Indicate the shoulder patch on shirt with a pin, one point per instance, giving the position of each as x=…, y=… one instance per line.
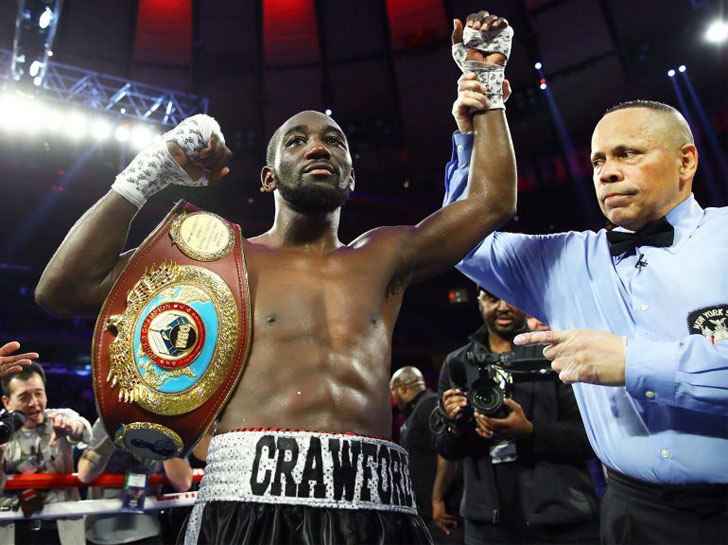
x=710, y=322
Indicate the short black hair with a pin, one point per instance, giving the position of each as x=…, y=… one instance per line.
x=640, y=103
x=270, y=151
x=27, y=372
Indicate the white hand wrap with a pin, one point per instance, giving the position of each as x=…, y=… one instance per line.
x=491, y=75
x=155, y=168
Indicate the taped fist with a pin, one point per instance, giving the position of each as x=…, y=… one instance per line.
x=483, y=48
x=191, y=154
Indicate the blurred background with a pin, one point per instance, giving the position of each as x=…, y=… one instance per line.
x=85, y=84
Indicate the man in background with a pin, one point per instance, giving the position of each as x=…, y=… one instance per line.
x=525, y=473
x=43, y=445
x=416, y=402
x=124, y=528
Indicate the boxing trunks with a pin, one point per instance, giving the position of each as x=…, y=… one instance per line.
x=173, y=335
x=276, y=486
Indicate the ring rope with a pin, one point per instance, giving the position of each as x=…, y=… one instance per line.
x=70, y=480
x=77, y=509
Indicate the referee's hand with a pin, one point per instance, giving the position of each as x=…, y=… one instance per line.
x=582, y=355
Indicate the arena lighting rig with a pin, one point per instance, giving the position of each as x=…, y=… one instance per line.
x=35, y=29
x=86, y=105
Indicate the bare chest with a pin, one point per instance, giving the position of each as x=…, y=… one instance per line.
x=294, y=294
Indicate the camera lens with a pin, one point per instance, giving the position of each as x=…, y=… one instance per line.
x=486, y=397
x=10, y=421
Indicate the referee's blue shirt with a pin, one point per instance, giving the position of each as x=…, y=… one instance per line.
x=669, y=423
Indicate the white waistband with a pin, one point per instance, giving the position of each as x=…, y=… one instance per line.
x=308, y=468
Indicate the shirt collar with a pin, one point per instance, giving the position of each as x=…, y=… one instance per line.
x=684, y=218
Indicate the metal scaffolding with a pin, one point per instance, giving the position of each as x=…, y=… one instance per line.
x=127, y=99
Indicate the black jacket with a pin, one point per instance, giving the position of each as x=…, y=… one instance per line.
x=553, y=483
x=415, y=436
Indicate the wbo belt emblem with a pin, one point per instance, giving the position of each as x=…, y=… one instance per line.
x=175, y=340
x=710, y=322
x=172, y=335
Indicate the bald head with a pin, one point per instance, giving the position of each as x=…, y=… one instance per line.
x=270, y=152
x=665, y=122
x=407, y=376
x=405, y=385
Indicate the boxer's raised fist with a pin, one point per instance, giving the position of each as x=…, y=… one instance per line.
x=212, y=159
x=482, y=48
x=192, y=154
x=483, y=22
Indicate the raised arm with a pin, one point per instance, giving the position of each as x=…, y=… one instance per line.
x=445, y=237
x=88, y=261
x=84, y=268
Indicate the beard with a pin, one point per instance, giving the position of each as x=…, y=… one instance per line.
x=312, y=198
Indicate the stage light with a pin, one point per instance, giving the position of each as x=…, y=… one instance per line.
x=671, y=73
x=141, y=137
x=11, y=111
x=100, y=129
x=328, y=112
x=122, y=111
x=717, y=32
x=76, y=125
x=54, y=120
x=122, y=133
x=543, y=86
x=35, y=67
x=34, y=114
x=537, y=66
x=458, y=295
x=50, y=53
x=45, y=18
x=681, y=68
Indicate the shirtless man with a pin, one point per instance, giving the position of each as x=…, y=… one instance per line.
x=323, y=315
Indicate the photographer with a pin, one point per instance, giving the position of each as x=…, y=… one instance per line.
x=44, y=444
x=138, y=528
x=525, y=466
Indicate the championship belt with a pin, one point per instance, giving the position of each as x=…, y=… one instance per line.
x=173, y=335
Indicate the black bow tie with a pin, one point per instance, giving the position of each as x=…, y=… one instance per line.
x=659, y=233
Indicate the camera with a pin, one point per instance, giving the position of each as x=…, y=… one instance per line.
x=10, y=421
x=497, y=373
x=493, y=385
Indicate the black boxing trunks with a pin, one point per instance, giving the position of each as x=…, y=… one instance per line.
x=277, y=486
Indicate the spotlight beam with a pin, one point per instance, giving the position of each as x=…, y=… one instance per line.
x=39, y=213
x=712, y=184
x=713, y=144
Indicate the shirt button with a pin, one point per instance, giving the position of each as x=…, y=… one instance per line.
x=644, y=308
x=460, y=147
x=650, y=394
x=665, y=453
